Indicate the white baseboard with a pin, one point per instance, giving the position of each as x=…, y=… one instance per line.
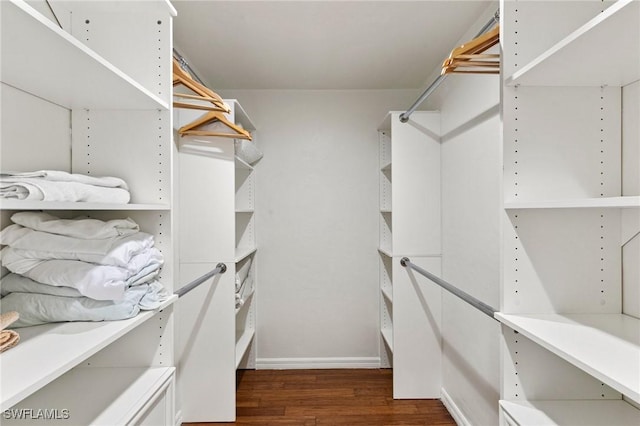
x=454, y=410
x=315, y=363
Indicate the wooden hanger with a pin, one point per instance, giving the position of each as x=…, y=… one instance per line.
x=188, y=105
x=202, y=92
x=470, y=57
x=209, y=117
x=215, y=112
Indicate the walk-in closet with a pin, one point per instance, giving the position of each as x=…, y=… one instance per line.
x=320, y=212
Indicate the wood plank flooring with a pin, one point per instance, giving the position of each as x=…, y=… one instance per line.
x=328, y=397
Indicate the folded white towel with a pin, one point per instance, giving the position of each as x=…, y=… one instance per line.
x=62, y=176
x=100, y=282
x=117, y=251
x=42, y=190
x=81, y=227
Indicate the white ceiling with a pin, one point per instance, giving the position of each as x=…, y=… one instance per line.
x=320, y=44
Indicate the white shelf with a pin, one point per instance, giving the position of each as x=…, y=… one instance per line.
x=385, y=126
x=243, y=252
x=387, y=336
x=386, y=167
x=241, y=164
x=241, y=116
x=242, y=345
x=386, y=292
x=570, y=413
x=386, y=251
x=386, y=210
x=604, y=51
x=118, y=395
x=62, y=205
x=101, y=7
x=45, y=352
x=606, y=346
x=245, y=211
x=36, y=52
x=607, y=202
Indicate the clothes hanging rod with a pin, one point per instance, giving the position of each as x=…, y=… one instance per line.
x=404, y=117
x=185, y=66
x=221, y=268
x=483, y=307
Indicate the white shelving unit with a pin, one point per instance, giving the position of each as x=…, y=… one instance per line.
x=68, y=79
x=246, y=251
x=409, y=225
x=571, y=347
x=385, y=245
x=217, y=225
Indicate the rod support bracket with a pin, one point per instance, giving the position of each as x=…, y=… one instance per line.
x=404, y=261
x=403, y=118
x=223, y=267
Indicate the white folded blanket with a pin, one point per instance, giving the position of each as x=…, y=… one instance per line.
x=35, y=308
x=116, y=251
x=81, y=227
x=15, y=283
x=99, y=282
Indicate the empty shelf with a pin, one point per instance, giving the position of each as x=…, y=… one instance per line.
x=243, y=252
x=387, y=292
x=123, y=394
x=387, y=336
x=241, y=164
x=63, y=205
x=584, y=413
x=242, y=345
x=386, y=251
x=566, y=63
x=605, y=202
x=83, y=78
x=606, y=346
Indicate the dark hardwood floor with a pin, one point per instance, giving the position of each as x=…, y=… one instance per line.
x=328, y=397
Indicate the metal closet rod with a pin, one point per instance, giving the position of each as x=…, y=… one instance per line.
x=404, y=117
x=185, y=66
x=221, y=268
x=483, y=307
